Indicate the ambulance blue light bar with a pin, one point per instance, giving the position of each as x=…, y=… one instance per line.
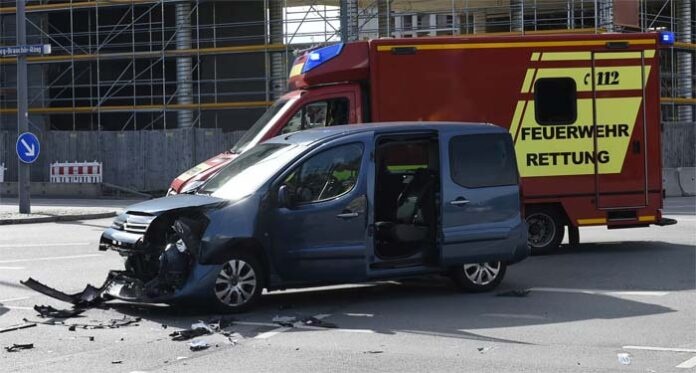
x=318, y=56
x=667, y=37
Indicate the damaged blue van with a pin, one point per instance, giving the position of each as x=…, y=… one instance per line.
x=332, y=205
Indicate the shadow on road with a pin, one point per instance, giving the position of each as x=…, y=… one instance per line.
x=430, y=305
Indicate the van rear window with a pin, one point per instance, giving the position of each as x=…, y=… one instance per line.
x=482, y=160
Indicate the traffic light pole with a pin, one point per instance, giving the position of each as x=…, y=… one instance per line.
x=22, y=113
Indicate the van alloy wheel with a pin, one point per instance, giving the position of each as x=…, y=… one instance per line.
x=478, y=277
x=236, y=283
x=482, y=273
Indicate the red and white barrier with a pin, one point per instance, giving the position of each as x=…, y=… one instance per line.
x=2, y=172
x=76, y=172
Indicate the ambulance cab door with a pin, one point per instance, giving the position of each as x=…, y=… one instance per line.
x=322, y=107
x=618, y=80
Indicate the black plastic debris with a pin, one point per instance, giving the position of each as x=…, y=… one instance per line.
x=514, y=293
x=197, y=330
x=89, y=297
x=18, y=346
x=117, y=362
x=17, y=327
x=313, y=321
x=199, y=345
x=373, y=352
x=48, y=311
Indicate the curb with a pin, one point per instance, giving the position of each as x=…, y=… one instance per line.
x=50, y=219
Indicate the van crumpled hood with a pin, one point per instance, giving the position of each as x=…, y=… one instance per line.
x=160, y=205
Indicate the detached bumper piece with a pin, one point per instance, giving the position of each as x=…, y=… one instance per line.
x=90, y=297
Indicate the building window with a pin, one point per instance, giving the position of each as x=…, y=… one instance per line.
x=555, y=101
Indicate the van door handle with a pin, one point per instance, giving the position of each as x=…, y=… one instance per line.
x=348, y=215
x=461, y=201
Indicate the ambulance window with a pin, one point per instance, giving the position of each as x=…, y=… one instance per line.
x=555, y=101
x=319, y=114
x=478, y=161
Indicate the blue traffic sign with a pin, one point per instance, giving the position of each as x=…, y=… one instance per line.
x=28, y=147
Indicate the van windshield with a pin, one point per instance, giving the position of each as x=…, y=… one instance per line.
x=245, y=174
x=260, y=125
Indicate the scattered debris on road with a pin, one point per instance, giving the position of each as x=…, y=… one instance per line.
x=17, y=327
x=374, y=352
x=292, y=322
x=199, y=345
x=520, y=293
x=50, y=312
x=112, y=324
x=117, y=362
x=18, y=346
x=624, y=358
x=483, y=350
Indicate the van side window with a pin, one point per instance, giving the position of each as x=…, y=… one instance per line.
x=324, y=113
x=326, y=175
x=482, y=160
x=555, y=101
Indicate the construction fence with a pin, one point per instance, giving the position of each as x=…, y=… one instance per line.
x=140, y=160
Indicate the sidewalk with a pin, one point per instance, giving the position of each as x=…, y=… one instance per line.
x=49, y=209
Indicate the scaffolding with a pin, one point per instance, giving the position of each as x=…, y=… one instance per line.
x=144, y=64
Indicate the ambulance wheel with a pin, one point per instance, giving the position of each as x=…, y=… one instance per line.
x=479, y=277
x=546, y=230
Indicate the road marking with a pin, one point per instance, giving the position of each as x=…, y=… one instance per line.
x=18, y=308
x=360, y=314
x=604, y=292
x=650, y=348
x=49, y=258
x=691, y=363
x=55, y=244
x=11, y=268
x=514, y=316
x=272, y=333
x=12, y=299
x=282, y=329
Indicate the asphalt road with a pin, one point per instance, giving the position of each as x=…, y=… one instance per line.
x=623, y=291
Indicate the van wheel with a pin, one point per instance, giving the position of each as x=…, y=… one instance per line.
x=239, y=283
x=479, y=277
x=546, y=230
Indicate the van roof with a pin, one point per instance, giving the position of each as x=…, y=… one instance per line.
x=325, y=133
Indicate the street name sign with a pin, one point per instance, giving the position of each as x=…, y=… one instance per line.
x=26, y=50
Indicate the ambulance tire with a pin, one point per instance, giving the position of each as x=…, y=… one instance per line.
x=546, y=229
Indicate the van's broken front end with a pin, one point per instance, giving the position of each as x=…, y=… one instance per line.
x=160, y=250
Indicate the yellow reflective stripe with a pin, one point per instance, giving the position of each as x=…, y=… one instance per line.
x=587, y=56
x=516, y=118
x=535, y=56
x=592, y=221
x=566, y=56
x=533, y=44
x=646, y=218
x=296, y=69
x=624, y=77
x=527, y=84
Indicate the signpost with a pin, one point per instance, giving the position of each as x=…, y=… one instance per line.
x=27, y=143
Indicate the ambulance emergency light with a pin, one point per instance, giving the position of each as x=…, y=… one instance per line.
x=667, y=37
x=318, y=56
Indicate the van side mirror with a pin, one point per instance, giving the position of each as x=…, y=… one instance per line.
x=284, y=199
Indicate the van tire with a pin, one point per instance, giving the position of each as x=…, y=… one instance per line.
x=546, y=229
x=238, y=284
x=478, y=277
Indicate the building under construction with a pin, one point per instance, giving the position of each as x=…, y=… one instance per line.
x=133, y=65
